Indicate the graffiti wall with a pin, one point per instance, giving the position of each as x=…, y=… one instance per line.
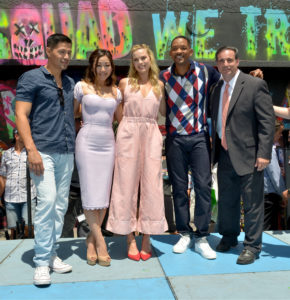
x=260, y=29
x=7, y=104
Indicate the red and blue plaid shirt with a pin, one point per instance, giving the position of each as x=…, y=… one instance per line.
x=187, y=98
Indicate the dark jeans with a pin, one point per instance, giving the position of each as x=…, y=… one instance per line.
x=183, y=152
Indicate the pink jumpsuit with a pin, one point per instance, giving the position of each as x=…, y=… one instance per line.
x=138, y=160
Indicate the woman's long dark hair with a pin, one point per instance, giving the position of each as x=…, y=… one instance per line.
x=90, y=74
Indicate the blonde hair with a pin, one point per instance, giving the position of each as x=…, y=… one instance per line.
x=153, y=71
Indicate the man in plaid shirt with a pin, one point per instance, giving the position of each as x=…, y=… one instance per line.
x=13, y=181
x=187, y=84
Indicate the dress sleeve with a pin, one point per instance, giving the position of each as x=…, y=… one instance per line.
x=119, y=96
x=78, y=92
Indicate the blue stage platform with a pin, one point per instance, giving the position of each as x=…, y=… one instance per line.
x=165, y=276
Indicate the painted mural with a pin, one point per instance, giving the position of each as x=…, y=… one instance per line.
x=261, y=32
x=260, y=29
x=7, y=105
x=25, y=28
x=274, y=30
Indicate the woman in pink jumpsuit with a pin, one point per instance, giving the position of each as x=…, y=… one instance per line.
x=138, y=156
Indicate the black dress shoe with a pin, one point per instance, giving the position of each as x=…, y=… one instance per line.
x=224, y=246
x=247, y=257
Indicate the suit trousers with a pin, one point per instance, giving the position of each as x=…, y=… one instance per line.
x=183, y=152
x=233, y=188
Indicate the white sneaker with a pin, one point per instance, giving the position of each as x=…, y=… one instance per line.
x=58, y=266
x=203, y=248
x=41, y=276
x=183, y=244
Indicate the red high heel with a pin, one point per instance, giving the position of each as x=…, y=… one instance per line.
x=145, y=256
x=135, y=257
x=130, y=240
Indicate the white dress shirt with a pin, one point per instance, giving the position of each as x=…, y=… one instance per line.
x=232, y=84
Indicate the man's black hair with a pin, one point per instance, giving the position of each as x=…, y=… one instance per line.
x=56, y=38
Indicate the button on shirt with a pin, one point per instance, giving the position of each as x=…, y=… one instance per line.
x=13, y=168
x=52, y=125
x=232, y=84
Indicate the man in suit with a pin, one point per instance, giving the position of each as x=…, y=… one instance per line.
x=242, y=134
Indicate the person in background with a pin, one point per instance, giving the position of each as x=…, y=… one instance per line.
x=275, y=193
x=13, y=181
x=45, y=121
x=3, y=219
x=3, y=147
x=282, y=112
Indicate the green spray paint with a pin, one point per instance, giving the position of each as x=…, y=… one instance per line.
x=203, y=34
x=87, y=34
x=277, y=30
x=251, y=32
x=170, y=30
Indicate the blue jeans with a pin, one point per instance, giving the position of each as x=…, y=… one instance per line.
x=183, y=152
x=52, y=200
x=18, y=212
